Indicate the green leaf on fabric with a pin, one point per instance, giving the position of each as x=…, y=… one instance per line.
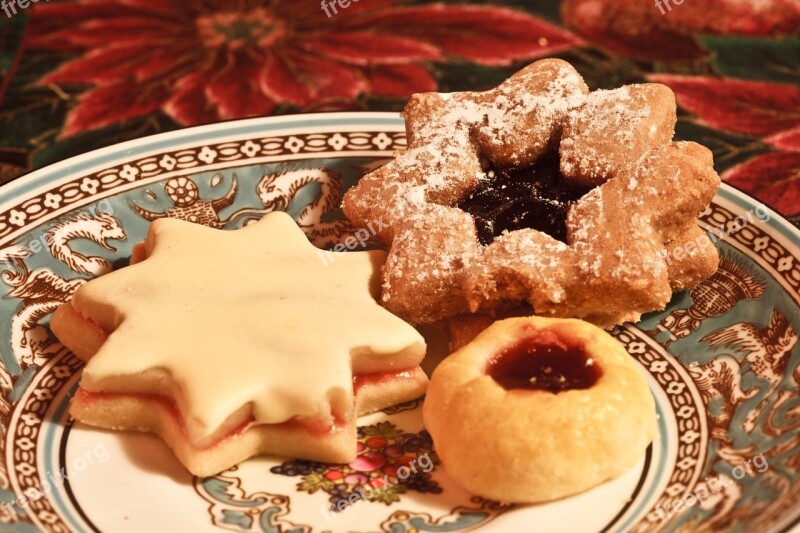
x=54, y=148
x=548, y=9
x=468, y=76
x=31, y=115
x=757, y=59
x=11, y=31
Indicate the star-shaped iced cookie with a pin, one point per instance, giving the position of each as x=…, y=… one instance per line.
x=233, y=343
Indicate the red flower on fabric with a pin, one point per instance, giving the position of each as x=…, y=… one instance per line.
x=201, y=62
x=770, y=111
x=662, y=29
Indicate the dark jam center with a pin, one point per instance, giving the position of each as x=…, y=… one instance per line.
x=544, y=363
x=536, y=197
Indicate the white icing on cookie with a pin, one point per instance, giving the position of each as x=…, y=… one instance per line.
x=247, y=317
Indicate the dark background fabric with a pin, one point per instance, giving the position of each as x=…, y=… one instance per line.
x=80, y=75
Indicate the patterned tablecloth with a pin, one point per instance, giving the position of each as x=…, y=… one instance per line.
x=79, y=75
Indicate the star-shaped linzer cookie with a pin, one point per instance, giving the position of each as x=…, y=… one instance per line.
x=229, y=344
x=540, y=194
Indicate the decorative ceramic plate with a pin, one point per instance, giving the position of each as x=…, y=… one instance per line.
x=722, y=361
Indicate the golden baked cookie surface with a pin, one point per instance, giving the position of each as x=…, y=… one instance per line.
x=531, y=444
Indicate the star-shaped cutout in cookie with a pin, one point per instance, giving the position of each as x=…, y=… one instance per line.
x=235, y=329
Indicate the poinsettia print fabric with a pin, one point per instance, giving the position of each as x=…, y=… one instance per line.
x=198, y=63
x=767, y=112
x=82, y=74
